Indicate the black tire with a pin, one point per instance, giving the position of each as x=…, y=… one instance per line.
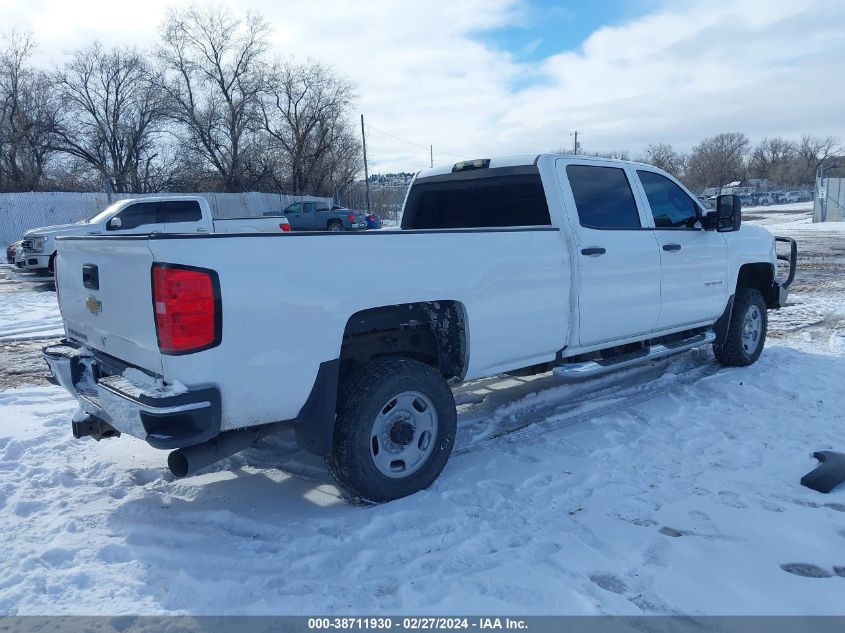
x=335, y=227
x=735, y=352
x=362, y=398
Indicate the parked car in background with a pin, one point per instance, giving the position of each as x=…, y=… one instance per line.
x=747, y=201
x=792, y=196
x=10, y=251
x=320, y=216
x=183, y=214
x=20, y=258
x=373, y=221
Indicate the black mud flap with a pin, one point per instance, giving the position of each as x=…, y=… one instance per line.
x=828, y=474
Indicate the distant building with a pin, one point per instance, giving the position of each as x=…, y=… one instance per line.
x=759, y=184
x=400, y=180
x=737, y=187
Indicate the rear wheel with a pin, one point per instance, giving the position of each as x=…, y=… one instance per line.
x=747, y=331
x=394, y=431
x=335, y=227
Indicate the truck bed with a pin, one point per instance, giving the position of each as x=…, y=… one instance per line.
x=286, y=303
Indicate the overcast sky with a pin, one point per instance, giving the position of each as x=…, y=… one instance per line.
x=477, y=78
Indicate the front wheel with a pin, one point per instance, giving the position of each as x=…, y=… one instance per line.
x=746, y=332
x=395, y=429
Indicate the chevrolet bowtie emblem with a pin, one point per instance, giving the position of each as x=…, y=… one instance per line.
x=94, y=306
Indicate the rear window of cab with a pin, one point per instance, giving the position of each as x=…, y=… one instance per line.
x=488, y=198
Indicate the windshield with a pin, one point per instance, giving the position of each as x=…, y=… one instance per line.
x=102, y=215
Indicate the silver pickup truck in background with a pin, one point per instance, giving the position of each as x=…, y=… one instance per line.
x=182, y=214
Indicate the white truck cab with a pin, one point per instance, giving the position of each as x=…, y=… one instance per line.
x=542, y=263
x=182, y=214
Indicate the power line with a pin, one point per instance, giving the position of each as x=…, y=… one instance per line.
x=404, y=140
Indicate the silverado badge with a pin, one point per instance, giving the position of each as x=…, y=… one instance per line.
x=94, y=306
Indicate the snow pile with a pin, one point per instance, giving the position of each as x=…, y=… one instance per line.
x=137, y=383
x=806, y=224
x=779, y=208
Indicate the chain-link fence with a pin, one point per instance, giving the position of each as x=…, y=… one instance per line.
x=829, y=200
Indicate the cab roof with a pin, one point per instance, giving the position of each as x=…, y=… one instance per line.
x=514, y=160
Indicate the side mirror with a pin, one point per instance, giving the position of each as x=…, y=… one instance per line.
x=728, y=213
x=115, y=223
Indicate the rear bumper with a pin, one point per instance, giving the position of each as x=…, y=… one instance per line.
x=158, y=414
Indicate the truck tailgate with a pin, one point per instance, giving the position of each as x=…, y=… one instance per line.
x=105, y=296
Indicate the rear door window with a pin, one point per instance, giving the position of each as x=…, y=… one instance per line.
x=181, y=211
x=488, y=200
x=603, y=197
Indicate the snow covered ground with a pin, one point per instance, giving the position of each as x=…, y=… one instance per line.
x=27, y=315
x=671, y=489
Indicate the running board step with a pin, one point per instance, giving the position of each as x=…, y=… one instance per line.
x=591, y=368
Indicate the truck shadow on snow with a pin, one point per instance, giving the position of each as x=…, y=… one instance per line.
x=488, y=410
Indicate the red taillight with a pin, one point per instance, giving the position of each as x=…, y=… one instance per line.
x=186, y=302
x=351, y=217
x=285, y=226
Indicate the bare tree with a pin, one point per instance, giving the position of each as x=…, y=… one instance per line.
x=717, y=160
x=305, y=114
x=771, y=157
x=615, y=154
x=111, y=114
x=27, y=117
x=811, y=152
x=663, y=156
x=214, y=74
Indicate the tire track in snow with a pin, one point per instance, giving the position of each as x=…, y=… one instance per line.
x=555, y=414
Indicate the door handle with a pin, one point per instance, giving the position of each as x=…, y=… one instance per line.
x=671, y=247
x=593, y=251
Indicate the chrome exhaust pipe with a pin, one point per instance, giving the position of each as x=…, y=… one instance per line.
x=187, y=461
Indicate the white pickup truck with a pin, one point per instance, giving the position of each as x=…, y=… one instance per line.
x=183, y=214
x=522, y=264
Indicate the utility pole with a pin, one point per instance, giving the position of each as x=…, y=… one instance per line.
x=431, y=147
x=366, y=173
x=575, y=145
